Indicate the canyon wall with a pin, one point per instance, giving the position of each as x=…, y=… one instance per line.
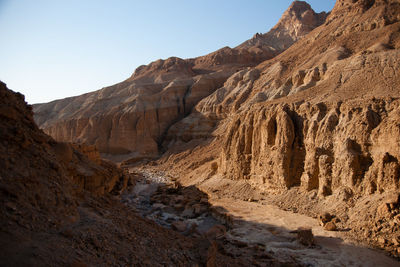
x=28, y=153
x=323, y=115
x=133, y=119
x=351, y=146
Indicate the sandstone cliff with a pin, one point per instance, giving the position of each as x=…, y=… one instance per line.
x=133, y=117
x=322, y=128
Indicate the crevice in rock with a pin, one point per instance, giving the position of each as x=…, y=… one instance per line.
x=365, y=164
x=368, y=4
x=271, y=131
x=186, y=110
x=298, y=153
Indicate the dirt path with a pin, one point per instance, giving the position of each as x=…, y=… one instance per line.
x=269, y=226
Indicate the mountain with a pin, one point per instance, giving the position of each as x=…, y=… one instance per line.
x=296, y=22
x=133, y=117
x=305, y=116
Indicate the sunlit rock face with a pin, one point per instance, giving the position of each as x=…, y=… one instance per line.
x=133, y=117
x=316, y=115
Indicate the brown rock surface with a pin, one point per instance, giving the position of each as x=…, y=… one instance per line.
x=316, y=151
x=330, y=226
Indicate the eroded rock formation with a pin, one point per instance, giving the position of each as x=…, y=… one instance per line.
x=321, y=147
x=312, y=119
x=133, y=117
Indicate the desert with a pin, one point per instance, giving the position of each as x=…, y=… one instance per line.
x=281, y=151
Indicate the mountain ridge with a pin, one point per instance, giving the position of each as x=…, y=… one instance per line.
x=159, y=94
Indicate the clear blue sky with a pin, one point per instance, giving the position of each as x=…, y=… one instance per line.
x=52, y=49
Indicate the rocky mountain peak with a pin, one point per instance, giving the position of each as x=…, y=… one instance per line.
x=296, y=10
x=297, y=21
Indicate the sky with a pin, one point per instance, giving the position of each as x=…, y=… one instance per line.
x=52, y=49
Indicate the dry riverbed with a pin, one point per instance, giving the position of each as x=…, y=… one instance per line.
x=244, y=228
x=273, y=228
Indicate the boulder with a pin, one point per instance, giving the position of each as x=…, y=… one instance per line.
x=216, y=232
x=179, y=226
x=330, y=226
x=188, y=212
x=324, y=218
x=305, y=236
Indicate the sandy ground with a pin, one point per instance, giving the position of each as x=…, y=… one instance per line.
x=272, y=229
x=270, y=226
